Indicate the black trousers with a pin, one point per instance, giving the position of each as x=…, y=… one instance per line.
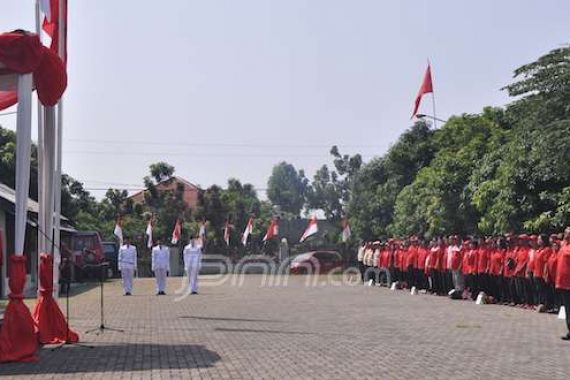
x=565, y=297
x=496, y=287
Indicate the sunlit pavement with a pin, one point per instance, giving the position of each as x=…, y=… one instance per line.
x=257, y=327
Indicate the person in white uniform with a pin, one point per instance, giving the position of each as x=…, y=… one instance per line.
x=193, y=262
x=127, y=265
x=160, y=266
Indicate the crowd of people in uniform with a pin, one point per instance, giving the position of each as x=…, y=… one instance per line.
x=528, y=271
x=160, y=265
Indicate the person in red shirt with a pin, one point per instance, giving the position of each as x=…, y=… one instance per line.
x=562, y=278
x=482, y=271
x=469, y=267
x=496, y=267
x=509, y=271
x=550, y=274
x=423, y=252
x=522, y=287
x=537, y=265
x=412, y=262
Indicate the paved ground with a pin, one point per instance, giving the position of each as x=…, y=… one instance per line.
x=293, y=331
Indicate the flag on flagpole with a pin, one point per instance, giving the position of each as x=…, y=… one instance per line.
x=345, y=230
x=227, y=229
x=248, y=231
x=177, y=232
x=45, y=8
x=118, y=232
x=426, y=88
x=148, y=233
x=52, y=21
x=312, y=228
x=272, y=230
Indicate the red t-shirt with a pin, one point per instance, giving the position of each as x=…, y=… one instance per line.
x=541, y=256
x=522, y=261
x=551, y=265
x=412, y=257
x=470, y=262
x=510, y=257
x=497, y=258
x=562, y=278
x=422, y=256
x=483, y=254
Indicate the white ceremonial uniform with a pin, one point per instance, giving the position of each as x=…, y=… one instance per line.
x=127, y=264
x=160, y=265
x=192, y=263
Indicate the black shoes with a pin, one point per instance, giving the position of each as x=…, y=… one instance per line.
x=194, y=293
x=566, y=337
x=128, y=293
x=161, y=293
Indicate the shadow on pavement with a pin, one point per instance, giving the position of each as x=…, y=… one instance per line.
x=115, y=358
x=228, y=319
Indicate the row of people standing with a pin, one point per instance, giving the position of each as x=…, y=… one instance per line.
x=160, y=264
x=529, y=271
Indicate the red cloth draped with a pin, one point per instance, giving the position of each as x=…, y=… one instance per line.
x=22, y=53
x=18, y=339
x=50, y=322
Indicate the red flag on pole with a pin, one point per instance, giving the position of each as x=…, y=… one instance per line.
x=426, y=88
x=51, y=24
x=248, y=231
x=272, y=230
x=227, y=232
x=312, y=228
x=177, y=232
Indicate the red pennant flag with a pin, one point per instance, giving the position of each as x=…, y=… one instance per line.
x=177, y=232
x=227, y=232
x=426, y=88
x=272, y=230
x=248, y=231
x=312, y=228
x=51, y=25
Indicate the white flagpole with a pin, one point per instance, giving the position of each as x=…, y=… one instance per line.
x=41, y=200
x=433, y=97
x=23, y=153
x=57, y=179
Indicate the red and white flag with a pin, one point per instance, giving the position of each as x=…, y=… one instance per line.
x=312, y=228
x=51, y=23
x=176, y=232
x=118, y=231
x=148, y=233
x=227, y=233
x=248, y=231
x=426, y=88
x=272, y=230
x=345, y=230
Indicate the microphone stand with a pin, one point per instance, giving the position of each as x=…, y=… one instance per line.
x=102, y=328
x=67, y=282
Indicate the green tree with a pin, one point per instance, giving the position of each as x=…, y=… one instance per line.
x=376, y=186
x=286, y=187
x=161, y=171
x=330, y=190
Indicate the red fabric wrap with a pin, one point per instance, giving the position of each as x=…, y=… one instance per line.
x=50, y=321
x=18, y=340
x=23, y=53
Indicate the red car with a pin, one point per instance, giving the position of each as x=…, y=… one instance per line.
x=316, y=262
x=86, y=253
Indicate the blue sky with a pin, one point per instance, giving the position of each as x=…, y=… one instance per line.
x=224, y=89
